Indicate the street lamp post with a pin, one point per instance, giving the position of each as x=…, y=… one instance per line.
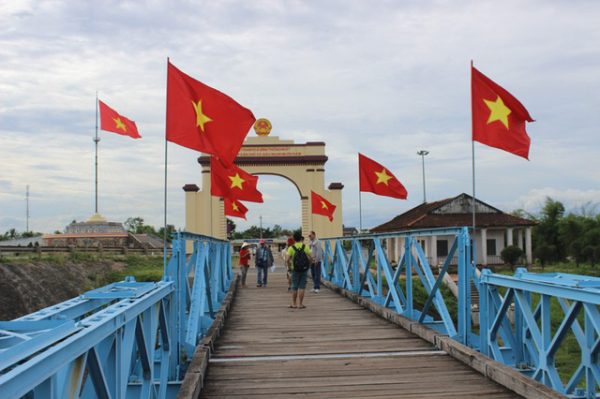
x=422, y=153
x=260, y=218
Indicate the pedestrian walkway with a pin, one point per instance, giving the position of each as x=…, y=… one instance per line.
x=332, y=349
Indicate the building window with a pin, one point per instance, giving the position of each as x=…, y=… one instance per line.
x=442, y=247
x=491, y=247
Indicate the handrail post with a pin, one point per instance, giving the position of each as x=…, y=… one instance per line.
x=379, y=272
x=484, y=315
x=354, y=258
x=408, y=243
x=464, y=287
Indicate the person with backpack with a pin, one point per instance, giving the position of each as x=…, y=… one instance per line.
x=299, y=261
x=264, y=260
x=286, y=257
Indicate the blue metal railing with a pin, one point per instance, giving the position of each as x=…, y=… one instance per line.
x=516, y=324
x=518, y=327
x=361, y=264
x=132, y=339
x=127, y=339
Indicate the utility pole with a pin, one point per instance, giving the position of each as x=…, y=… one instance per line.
x=260, y=229
x=27, y=209
x=422, y=153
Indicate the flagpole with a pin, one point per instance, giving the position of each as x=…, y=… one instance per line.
x=96, y=140
x=165, y=188
x=359, y=210
x=359, y=200
x=473, y=173
x=165, y=211
x=473, y=165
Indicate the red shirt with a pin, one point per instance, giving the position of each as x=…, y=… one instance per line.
x=244, y=257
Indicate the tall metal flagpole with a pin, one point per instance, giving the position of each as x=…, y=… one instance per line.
x=359, y=210
x=359, y=201
x=165, y=199
x=472, y=159
x=473, y=169
x=96, y=141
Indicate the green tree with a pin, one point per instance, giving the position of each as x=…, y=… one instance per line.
x=511, y=255
x=170, y=231
x=134, y=224
x=576, y=251
x=591, y=245
x=277, y=231
x=543, y=252
x=547, y=236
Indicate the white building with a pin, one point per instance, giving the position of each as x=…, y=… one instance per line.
x=494, y=229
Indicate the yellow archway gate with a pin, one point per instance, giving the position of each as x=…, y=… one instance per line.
x=302, y=164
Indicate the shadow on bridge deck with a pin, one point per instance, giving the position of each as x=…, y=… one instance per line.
x=332, y=349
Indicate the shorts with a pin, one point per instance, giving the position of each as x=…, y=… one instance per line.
x=298, y=280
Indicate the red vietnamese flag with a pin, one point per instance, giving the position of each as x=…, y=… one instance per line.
x=204, y=119
x=320, y=206
x=498, y=117
x=234, y=208
x=233, y=182
x=112, y=121
x=376, y=179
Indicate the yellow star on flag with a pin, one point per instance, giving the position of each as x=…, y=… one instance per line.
x=119, y=124
x=237, y=181
x=324, y=205
x=235, y=207
x=201, y=118
x=499, y=111
x=383, y=177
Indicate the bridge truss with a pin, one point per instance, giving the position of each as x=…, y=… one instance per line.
x=517, y=326
x=127, y=339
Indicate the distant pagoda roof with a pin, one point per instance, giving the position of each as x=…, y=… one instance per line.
x=96, y=217
x=96, y=224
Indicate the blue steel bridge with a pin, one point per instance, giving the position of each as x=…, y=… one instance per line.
x=367, y=334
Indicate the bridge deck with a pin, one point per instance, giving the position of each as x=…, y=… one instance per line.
x=333, y=348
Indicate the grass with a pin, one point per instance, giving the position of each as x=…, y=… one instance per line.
x=142, y=267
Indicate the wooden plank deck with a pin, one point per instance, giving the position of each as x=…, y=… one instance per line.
x=332, y=349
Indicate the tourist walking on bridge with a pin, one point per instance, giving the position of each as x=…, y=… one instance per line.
x=264, y=260
x=286, y=257
x=316, y=252
x=244, y=262
x=299, y=263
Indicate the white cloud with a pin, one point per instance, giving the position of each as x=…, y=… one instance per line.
x=382, y=78
x=573, y=199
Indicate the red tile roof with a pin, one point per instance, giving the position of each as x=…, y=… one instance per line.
x=423, y=216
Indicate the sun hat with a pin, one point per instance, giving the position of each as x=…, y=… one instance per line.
x=245, y=244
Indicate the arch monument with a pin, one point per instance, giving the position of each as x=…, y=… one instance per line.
x=303, y=164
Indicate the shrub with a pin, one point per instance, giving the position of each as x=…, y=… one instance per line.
x=511, y=255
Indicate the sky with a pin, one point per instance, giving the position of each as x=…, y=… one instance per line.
x=386, y=78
